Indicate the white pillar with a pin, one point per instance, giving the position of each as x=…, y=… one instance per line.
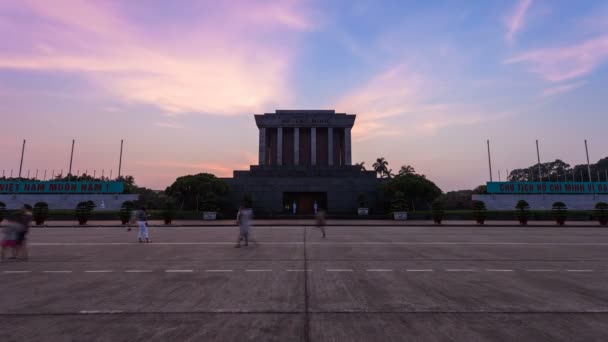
x=330, y=146
x=280, y=146
x=347, y=148
x=313, y=146
x=296, y=146
x=262, y=147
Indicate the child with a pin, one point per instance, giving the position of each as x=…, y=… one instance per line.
x=9, y=240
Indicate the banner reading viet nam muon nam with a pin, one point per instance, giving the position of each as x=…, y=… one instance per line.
x=60, y=187
x=547, y=187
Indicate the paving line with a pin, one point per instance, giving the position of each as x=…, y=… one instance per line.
x=138, y=271
x=420, y=270
x=56, y=271
x=460, y=270
x=259, y=270
x=498, y=270
x=541, y=270
x=338, y=270
x=579, y=270
x=292, y=270
x=328, y=243
x=16, y=272
x=179, y=271
x=92, y=312
x=379, y=270
x=98, y=271
x=218, y=270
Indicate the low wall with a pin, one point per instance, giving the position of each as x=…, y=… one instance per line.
x=541, y=202
x=67, y=201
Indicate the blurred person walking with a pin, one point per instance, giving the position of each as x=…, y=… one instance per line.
x=320, y=220
x=24, y=219
x=243, y=218
x=142, y=223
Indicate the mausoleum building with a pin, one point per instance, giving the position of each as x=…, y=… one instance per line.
x=305, y=157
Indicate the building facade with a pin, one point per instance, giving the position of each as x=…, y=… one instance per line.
x=305, y=158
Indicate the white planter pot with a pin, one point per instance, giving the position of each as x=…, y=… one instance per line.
x=400, y=215
x=209, y=215
x=363, y=211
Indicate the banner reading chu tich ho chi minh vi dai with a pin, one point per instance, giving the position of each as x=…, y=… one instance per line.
x=547, y=187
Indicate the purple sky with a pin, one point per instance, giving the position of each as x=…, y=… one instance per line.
x=181, y=80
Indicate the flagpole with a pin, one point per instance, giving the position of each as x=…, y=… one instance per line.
x=540, y=175
x=22, y=152
x=120, y=159
x=588, y=165
x=71, y=159
x=489, y=160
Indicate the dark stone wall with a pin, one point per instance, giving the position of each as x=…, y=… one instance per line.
x=266, y=186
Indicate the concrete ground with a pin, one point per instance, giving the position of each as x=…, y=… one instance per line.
x=380, y=283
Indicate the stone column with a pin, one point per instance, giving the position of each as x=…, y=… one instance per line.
x=313, y=146
x=262, y=146
x=296, y=146
x=347, y=148
x=330, y=146
x=280, y=146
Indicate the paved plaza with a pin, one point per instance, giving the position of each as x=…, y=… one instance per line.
x=361, y=283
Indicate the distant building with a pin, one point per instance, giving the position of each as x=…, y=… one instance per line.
x=305, y=157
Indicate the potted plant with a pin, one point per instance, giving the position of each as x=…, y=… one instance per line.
x=362, y=209
x=168, y=211
x=437, y=211
x=209, y=206
x=522, y=212
x=399, y=206
x=83, y=211
x=601, y=210
x=40, y=212
x=479, y=212
x=2, y=211
x=560, y=212
x=126, y=209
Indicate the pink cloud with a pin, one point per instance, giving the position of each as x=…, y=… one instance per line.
x=564, y=88
x=515, y=21
x=401, y=95
x=567, y=62
x=215, y=67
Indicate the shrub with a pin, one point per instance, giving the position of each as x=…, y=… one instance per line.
x=125, y=211
x=40, y=212
x=479, y=211
x=601, y=210
x=83, y=211
x=560, y=212
x=522, y=211
x=437, y=211
x=168, y=211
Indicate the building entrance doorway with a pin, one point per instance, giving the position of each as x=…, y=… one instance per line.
x=305, y=202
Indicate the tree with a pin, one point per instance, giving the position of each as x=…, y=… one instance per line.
x=188, y=190
x=381, y=167
x=361, y=166
x=413, y=186
x=406, y=170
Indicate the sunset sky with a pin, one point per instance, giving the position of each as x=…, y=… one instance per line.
x=430, y=81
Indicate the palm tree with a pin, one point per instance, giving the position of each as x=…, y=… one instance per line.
x=406, y=170
x=381, y=167
x=361, y=166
